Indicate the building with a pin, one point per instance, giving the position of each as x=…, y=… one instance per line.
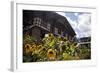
x=85, y=41
x=39, y=23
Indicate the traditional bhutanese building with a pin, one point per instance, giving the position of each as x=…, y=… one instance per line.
x=39, y=23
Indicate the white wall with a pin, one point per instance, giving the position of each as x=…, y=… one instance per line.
x=5, y=35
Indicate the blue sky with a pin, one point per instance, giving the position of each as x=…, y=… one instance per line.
x=80, y=22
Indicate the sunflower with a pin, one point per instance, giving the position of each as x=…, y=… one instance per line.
x=50, y=34
x=51, y=54
x=33, y=48
x=28, y=48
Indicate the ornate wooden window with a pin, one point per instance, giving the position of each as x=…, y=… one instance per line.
x=62, y=34
x=37, y=21
x=48, y=26
x=56, y=30
x=67, y=35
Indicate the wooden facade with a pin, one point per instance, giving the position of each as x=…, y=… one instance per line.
x=39, y=23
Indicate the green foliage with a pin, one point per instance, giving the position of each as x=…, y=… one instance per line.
x=28, y=39
x=85, y=53
x=54, y=48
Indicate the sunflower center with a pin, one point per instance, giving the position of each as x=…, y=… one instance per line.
x=50, y=52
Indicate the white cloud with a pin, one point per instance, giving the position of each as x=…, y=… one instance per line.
x=76, y=14
x=82, y=25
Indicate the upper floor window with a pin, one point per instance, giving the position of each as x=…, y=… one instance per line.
x=56, y=30
x=48, y=26
x=62, y=34
x=66, y=35
x=37, y=21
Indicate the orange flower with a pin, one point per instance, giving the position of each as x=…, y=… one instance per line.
x=51, y=54
x=28, y=48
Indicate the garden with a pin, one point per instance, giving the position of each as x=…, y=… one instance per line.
x=53, y=48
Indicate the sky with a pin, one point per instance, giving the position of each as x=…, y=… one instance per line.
x=80, y=22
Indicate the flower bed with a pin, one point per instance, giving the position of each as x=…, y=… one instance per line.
x=52, y=48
